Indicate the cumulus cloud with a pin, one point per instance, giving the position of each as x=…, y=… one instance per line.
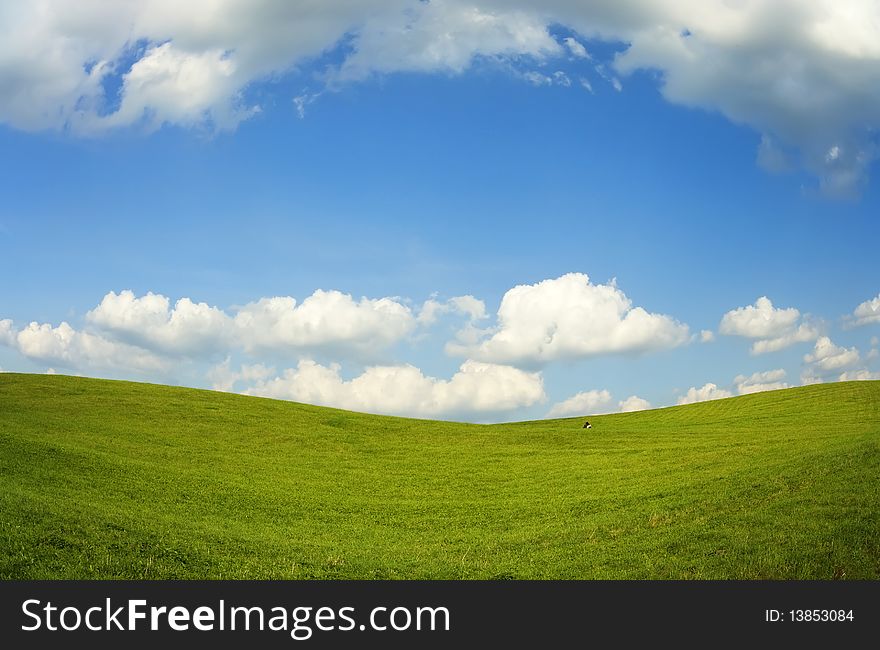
x=633, y=403
x=149, y=321
x=867, y=313
x=859, y=375
x=803, y=75
x=707, y=336
x=775, y=328
x=566, y=318
x=169, y=85
x=588, y=402
x=828, y=359
x=794, y=71
x=70, y=348
x=705, y=393
x=761, y=381
x=325, y=320
x=477, y=388
x=826, y=356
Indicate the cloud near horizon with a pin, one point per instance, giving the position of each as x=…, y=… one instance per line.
x=804, y=75
x=596, y=402
x=475, y=389
x=568, y=318
x=773, y=328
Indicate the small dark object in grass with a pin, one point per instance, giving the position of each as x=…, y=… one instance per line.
x=587, y=425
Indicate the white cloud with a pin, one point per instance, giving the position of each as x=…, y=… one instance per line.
x=761, y=381
x=633, y=403
x=569, y=317
x=70, y=348
x=775, y=328
x=468, y=306
x=859, y=375
x=329, y=320
x=192, y=61
x=477, y=388
x=827, y=359
x=867, y=313
x=827, y=356
x=804, y=333
x=804, y=75
x=169, y=85
x=705, y=393
x=576, y=48
x=7, y=332
x=707, y=336
x=875, y=341
x=224, y=378
x=760, y=320
x=588, y=402
x=444, y=36
x=188, y=328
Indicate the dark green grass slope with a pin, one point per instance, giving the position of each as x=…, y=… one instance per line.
x=102, y=479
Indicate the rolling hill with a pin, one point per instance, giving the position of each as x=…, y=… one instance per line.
x=110, y=479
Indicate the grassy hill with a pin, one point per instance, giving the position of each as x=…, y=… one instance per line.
x=105, y=479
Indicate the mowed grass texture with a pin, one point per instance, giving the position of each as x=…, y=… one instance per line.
x=107, y=479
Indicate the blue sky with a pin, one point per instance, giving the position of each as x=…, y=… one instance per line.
x=419, y=183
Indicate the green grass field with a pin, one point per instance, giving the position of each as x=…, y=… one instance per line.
x=106, y=479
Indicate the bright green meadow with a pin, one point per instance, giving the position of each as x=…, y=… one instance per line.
x=111, y=479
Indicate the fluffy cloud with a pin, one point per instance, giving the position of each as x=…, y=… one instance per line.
x=760, y=381
x=707, y=336
x=325, y=320
x=867, y=313
x=774, y=328
x=188, y=328
x=70, y=348
x=795, y=71
x=760, y=320
x=328, y=320
x=569, y=317
x=804, y=75
x=477, y=388
x=827, y=356
x=705, y=393
x=633, y=403
x=828, y=359
x=171, y=86
x=191, y=61
x=587, y=402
